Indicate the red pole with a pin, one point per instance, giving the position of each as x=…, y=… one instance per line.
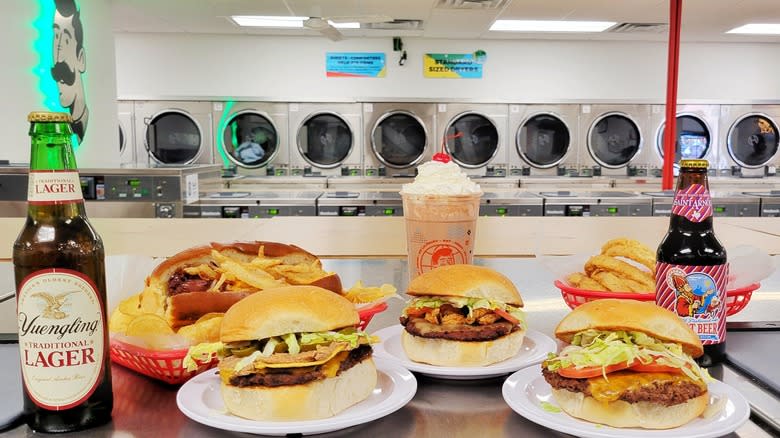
x=673, y=64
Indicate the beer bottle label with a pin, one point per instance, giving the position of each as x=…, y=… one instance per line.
x=693, y=203
x=54, y=187
x=61, y=327
x=698, y=295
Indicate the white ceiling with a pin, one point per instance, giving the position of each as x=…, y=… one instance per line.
x=703, y=20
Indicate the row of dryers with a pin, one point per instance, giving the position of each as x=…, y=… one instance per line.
x=238, y=204
x=390, y=139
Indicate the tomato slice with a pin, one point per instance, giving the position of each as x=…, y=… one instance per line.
x=417, y=311
x=507, y=316
x=587, y=372
x=655, y=368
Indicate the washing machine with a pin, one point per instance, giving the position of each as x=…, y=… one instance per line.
x=475, y=136
x=398, y=136
x=697, y=134
x=252, y=137
x=126, y=133
x=328, y=139
x=612, y=139
x=543, y=139
x=173, y=133
x=750, y=140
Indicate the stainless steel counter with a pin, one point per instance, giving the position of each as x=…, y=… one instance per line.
x=440, y=408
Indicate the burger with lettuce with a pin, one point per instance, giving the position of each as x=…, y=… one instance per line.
x=627, y=364
x=292, y=353
x=462, y=315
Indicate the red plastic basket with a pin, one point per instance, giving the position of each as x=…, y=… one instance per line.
x=167, y=365
x=736, y=299
x=163, y=365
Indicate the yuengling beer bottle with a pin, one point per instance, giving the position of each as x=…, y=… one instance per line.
x=692, y=269
x=60, y=291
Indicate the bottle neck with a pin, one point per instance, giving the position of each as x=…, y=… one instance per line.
x=52, y=155
x=692, y=187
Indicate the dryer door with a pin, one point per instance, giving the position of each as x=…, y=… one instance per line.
x=753, y=140
x=543, y=140
x=325, y=140
x=250, y=139
x=399, y=139
x=614, y=139
x=693, y=138
x=173, y=137
x=471, y=139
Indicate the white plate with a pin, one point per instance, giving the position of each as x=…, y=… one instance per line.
x=201, y=400
x=534, y=350
x=525, y=390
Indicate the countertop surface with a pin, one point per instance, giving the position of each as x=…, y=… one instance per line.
x=144, y=407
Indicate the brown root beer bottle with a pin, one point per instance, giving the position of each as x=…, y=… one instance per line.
x=692, y=270
x=60, y=291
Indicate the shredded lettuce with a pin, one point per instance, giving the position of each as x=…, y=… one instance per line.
x=350, y=336
x=292, y=343
x=604, y=348
x=202, y=353
x=246, y=361
x=470, y=303
x=270, y=346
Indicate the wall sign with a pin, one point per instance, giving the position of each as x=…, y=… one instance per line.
x=454, y=65
x=355, y=65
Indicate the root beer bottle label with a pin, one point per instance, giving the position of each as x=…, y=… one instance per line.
x=60, y=337
x=692, y=268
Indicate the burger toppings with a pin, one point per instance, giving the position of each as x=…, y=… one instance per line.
x=293, y=358
x=459, y=310
x=597, y=353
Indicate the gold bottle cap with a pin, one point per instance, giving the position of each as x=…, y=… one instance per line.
x=695, y=164
x=48, y=116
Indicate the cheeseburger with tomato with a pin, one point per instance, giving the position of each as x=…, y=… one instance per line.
x=628, y=364
x=462, y=315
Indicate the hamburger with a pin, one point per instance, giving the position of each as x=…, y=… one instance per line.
x=627, y=364
x=294, y=353
x=211, y=278
x=462, y=315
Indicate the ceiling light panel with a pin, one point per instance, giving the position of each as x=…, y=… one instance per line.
x=550, y=26
x=757, y=29
x=268, y=21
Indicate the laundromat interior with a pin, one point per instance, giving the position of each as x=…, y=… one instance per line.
x=247, y=109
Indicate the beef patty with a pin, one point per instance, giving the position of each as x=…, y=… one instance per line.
x=284, y=376
x=457, y=332
x=665, y=393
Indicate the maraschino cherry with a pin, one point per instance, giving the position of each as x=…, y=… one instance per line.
x=441, y=157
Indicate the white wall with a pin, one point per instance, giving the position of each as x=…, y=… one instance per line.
x=292, y=68
x=21, y=86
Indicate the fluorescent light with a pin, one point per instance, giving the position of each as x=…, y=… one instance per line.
x=758, y=29
x=345, y=25
x=268, y=21
x=550, y=26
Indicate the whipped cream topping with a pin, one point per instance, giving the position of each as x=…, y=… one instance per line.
x=437, y=178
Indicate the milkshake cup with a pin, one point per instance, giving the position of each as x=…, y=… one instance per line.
x=441, y=208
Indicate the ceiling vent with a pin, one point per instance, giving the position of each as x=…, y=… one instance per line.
x=639, y=28
x=471, y=4
x=395, y=25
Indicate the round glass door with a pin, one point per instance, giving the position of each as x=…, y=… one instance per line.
x=543, y=140
x=614, y=140
x=121, y=139
x=173, y=138
x=693, y=138
x=471, y=139
x=324, y=140
x=399, y=139
x=753, y=140
x=250, y=139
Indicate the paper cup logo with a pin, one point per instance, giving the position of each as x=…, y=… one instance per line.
x=440, y=253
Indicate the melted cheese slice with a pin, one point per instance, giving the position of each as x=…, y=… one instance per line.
x=330, y=367
x=623, y=381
